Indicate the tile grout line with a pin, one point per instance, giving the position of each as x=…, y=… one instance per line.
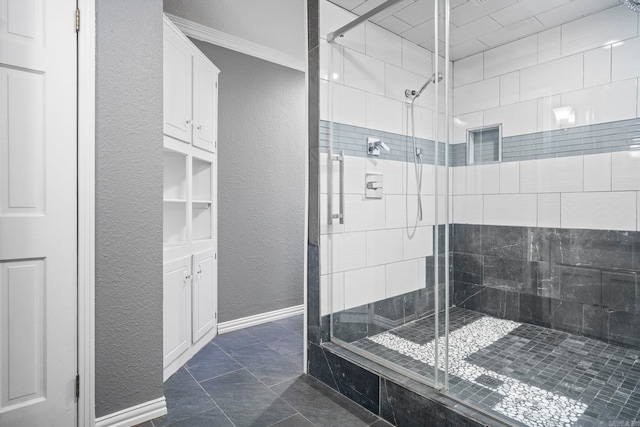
x=212, y=399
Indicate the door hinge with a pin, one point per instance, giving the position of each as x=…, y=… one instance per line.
x=77, y=19
x=77, y=385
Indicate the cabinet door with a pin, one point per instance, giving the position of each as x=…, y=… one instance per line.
x=177, y=81
x=205, y=104
x=204, y=293
x=177, y=308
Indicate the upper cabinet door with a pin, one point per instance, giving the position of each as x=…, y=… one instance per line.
x=205, y=104
x=178, y=122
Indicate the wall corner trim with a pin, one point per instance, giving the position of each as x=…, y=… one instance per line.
x=258, y=319
x=135, y=414
x=238, y=44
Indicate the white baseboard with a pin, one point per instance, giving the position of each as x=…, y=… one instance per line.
x=258, y=319
x=134, y=415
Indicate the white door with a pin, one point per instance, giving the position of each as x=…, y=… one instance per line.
x=205, y=104
x=38, y=291
x=204, y=293
x=177, y=86
x=177, y=308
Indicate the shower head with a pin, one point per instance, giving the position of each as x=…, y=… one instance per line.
x=413, y=94
x=633, y=5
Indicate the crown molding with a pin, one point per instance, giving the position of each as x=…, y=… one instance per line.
x=238, y=44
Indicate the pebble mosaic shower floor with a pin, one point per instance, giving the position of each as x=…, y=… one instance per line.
x=532, y=375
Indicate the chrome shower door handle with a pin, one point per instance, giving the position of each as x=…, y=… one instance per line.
x=340, y=214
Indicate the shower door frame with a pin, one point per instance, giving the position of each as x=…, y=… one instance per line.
x=435, y=383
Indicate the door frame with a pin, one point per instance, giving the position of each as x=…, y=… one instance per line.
x=86, y=211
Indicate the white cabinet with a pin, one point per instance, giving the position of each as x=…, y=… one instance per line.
x=204, y=297
x=205, y=104
x=189, y=199
x=177, y=308
x=190, y=91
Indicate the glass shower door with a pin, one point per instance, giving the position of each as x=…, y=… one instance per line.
x=382, y=182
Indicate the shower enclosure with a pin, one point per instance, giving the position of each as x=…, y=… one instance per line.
x=474, y=240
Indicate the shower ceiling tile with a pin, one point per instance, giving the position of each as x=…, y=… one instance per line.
x=525, y=9
x=408, y=18
x=395, y=25
x=416, y=13
x=467, y=48
x=573, y=10
x=474, y=29
x=513, y=32
x=349, y=4
x=471, y=11
x=391, y=10
x=420, y=33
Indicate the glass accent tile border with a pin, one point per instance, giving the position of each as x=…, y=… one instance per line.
x=353, y=140
x=577, y=141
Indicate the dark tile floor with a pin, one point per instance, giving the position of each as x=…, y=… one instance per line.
x=532, y=375
x=253, y=377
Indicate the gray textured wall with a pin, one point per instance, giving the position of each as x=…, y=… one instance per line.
x=128, y=203
x=262, y=145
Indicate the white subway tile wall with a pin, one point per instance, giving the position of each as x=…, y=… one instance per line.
x=403, y=277
x=615, y=210
x=549, y=210
x=510, y=209
x=364, y=286
x=597, y=172
x=597, y=66
x=589, y=65
x=333, y=283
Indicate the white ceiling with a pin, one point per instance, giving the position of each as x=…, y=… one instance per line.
x=476, y=25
